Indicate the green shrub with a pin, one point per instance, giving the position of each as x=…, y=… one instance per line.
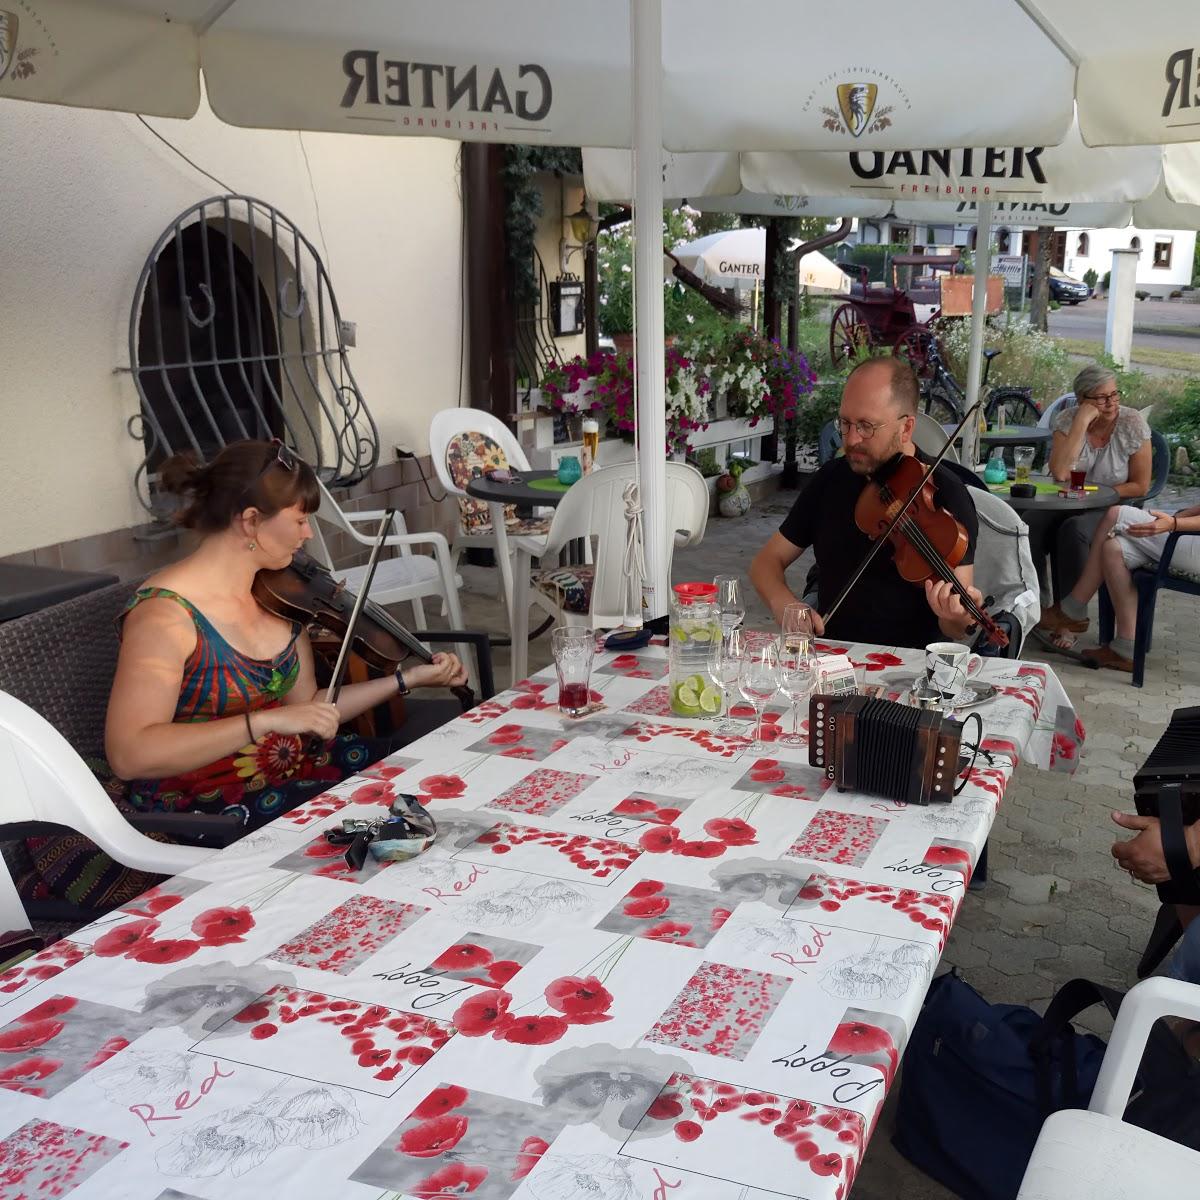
x=1090, y=278
x=1177, y=414
x=1107, y=280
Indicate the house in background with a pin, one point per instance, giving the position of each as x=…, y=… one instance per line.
x=1164, y=264
x=104, y=258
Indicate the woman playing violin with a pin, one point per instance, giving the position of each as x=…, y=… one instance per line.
x=214, y=698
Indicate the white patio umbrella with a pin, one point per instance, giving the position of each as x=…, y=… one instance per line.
x=738, y=256
x=650, y=74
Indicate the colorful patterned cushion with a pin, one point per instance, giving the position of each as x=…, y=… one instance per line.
x=468, y=456
x=569, y=587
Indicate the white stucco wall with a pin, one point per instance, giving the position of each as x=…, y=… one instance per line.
x=83, y=197
x=1102, y=242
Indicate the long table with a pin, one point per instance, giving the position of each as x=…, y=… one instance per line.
x=643, y=959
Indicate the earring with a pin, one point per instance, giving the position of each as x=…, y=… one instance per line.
x=252, y=546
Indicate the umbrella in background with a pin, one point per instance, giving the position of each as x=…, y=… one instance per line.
x=737, y=258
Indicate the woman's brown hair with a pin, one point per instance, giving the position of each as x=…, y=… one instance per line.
x=251, y=474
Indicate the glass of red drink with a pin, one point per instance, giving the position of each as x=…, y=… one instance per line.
x=574, y=649
x=1078, y=478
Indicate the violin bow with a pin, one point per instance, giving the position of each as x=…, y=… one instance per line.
x=878, y=543
x=339, y=667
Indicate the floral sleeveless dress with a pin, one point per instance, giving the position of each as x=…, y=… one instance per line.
x=267, y=777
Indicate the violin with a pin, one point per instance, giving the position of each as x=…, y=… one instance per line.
x=899, y=505
x=306, y=592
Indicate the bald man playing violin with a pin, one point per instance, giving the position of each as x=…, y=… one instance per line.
x=877, y=416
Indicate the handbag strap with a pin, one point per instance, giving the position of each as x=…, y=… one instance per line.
x=1055, y=1029
x=1174, y=843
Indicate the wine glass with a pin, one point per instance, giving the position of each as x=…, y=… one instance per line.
x=797, y=628
x=724, y=668
x=759, y=681
x=797, y=676
x=730, y=604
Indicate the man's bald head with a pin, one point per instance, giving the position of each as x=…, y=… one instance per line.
x=896, y=376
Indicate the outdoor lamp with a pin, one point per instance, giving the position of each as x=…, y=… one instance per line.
x=583, y=227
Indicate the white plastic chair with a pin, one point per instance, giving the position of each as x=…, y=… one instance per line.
x=43, y=779
x=1066, y=400
x=1004, y=567
x=930, y=437
x=595, y=508
x=450, y=424
x=1094, y=1155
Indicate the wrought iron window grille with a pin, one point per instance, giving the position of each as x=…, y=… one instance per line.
x=235, y=333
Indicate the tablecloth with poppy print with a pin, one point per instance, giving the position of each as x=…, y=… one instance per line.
x=643, y=959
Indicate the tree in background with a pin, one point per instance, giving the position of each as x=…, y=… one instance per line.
x=1040, y=304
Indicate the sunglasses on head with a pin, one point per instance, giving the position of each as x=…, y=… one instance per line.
x=282, y=457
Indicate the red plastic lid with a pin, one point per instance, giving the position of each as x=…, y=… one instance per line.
x=689, y=593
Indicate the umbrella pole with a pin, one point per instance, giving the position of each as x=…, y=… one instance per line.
x=983, y=255
x=646, y=50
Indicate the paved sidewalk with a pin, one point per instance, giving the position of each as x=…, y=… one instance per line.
x=1055, y=907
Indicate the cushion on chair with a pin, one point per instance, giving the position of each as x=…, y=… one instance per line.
x=569, y=587
x=527, y=526
x=470, y=454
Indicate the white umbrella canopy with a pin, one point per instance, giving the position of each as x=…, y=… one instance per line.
x=737, y=257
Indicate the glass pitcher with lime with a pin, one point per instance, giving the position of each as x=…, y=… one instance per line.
x=695, y=628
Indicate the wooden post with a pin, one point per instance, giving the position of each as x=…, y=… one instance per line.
x=491, y=316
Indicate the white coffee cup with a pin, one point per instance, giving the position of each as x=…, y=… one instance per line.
x=947, y=665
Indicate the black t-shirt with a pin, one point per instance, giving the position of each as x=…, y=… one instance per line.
x=882, y=608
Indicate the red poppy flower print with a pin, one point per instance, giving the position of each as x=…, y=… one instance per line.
x=669, y=931
x=648, y=906
x=151, y=903
x=501, y=971
x=482, y=1014
x=575, y=996
x=878, y=660
x=687, y=1131
x=443, y=787
x=223, y=926
x=720, y=916
x=700, y=849
x=625, y=662
x=633, y=807
x=450, y=1182
x=659, y=841
x=48, y=1009
x=825, y=1164
x=464, y=955
x=378, y=792
x=124, y=938
x=20, y=1077
x=532, y=1149
x=665, y=1108
x=433, y=1137
x=647, y=887
x=857, y=1037
x=768, y=774
x=166, y=951
x=733, y=831
x=947, y=856
x=532, y=1031
x=29, y=1035
x=114, y=1045
x=507, y=735
x=441, y=1101
x=323, y=849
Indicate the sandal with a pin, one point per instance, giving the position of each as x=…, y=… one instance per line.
x=1054, y=620
x=1054, y=640
x=1106, y=656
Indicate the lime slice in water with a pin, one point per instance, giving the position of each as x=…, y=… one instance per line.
x=710, y=700
x=702, y=635
x=697, y=683
x=680, y=635
x=687, y=696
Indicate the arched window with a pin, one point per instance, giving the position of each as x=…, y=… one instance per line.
x=1135, y=244
x=1082, y=248
x=235, y=333
x=1003, y=241
x=972, y=237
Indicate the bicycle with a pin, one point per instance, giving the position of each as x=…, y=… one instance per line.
x=944, y=399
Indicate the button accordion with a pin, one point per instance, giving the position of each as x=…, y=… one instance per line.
x=884, y=748
x=1168, y=787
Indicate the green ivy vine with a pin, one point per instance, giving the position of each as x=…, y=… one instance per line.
x=523, y=206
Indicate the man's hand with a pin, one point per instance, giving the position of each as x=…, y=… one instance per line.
x=1142, y=856
x=948, y=607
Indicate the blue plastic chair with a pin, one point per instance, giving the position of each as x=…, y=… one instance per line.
x=829, y=442
x=1148, y=581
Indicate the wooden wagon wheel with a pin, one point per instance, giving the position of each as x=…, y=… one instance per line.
x=847, y=335
x=913, y=345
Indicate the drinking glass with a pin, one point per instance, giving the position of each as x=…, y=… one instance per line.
x=724, y=668
x=759, y=681
x=730, y=604
x=574, y=649
x=1078, y=475
x=1023, y=458
x=797, y=628
x=797, y=677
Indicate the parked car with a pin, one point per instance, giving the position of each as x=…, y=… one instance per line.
x=1063, y=288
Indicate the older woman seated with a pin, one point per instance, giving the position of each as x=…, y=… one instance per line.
x=1112, y=443
x=1126, y=538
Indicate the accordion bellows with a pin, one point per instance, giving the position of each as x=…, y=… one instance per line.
x=883, y=748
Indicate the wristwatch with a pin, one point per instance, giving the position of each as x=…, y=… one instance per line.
x=404, y=688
